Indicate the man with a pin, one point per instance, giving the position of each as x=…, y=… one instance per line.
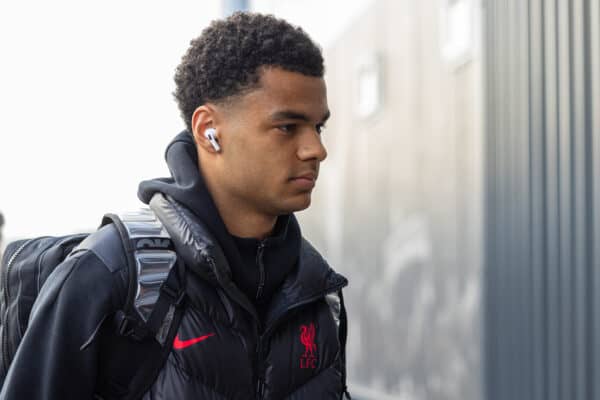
x=262, y=311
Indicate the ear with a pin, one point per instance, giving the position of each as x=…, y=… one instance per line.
x=202, y=119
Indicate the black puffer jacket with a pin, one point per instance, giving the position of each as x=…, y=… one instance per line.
x=294, y=354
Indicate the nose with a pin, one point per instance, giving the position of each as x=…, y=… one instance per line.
x=311, y=147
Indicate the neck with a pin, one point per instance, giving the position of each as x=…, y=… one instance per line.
x=247, y=225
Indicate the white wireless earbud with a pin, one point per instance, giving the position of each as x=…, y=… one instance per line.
x=210, y=135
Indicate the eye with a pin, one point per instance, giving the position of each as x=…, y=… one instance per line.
x=320, y=128
x=288, y=128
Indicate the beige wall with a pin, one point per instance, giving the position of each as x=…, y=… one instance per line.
x=398, y=206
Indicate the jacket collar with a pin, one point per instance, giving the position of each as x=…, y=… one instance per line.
x=201, y=253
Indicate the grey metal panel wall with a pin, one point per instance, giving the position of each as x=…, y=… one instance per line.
x=593, y=120
x=542, y=234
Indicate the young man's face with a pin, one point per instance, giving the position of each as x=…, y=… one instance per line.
x=271, y=143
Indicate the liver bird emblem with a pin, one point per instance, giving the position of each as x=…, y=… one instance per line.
x=307, y=337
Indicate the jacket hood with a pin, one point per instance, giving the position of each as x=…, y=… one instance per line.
x=186, y=187
x=185, y=184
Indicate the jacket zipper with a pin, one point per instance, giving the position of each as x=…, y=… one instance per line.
x=261, y=269
x=258, y=364
x=260, y=383
x=5, y=314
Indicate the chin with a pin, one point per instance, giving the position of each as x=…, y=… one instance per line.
x=296, y=204
x=303, y=204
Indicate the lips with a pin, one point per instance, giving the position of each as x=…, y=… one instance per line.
x=304, y=182
x=309, y=176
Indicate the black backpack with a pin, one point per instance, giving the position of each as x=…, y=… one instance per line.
x=148, y=323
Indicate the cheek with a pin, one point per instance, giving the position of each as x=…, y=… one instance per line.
x=245, y=171
x=257, y=166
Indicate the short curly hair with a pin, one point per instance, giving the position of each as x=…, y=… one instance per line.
x=225, y=60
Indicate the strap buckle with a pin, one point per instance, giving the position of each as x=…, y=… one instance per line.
x=178, y=296
x=129, y=326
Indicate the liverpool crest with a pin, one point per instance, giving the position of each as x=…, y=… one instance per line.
x=307, y=337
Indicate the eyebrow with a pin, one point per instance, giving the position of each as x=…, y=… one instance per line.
x=286, y=114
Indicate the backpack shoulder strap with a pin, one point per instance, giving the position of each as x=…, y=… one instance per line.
x=155, y=275
x=152, y=310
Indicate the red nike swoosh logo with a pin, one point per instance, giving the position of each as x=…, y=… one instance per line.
x=182, y=344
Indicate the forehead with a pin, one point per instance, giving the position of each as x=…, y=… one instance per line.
x=280, y=89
